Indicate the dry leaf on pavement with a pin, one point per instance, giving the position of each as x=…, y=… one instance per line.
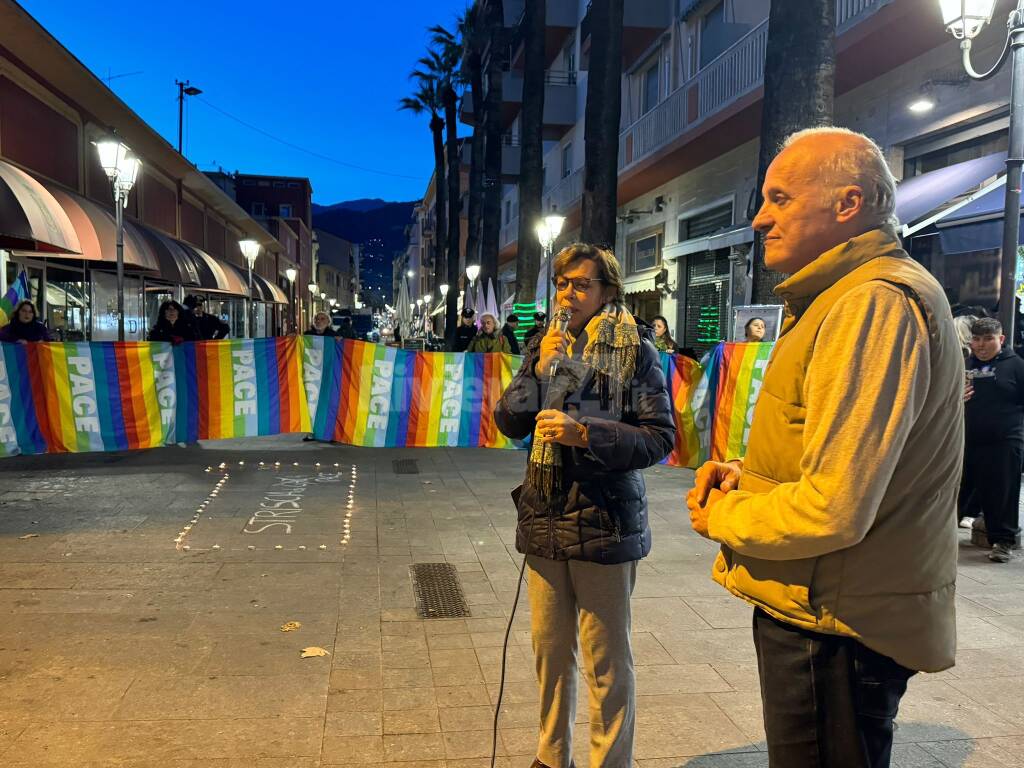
x=290, y=626
x=29, y=536
x=309, y=653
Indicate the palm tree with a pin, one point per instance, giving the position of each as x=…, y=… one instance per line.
x=601, y=134
x=427, y=99
x=491, y=227
x=473, y=43
x=442, y=62
x=799, y=92
x=531, y=153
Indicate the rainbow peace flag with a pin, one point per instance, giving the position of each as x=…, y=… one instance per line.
x=376, y=396
x=75, y=397
x=239, y=388
x=16, y=292
x=684, y=378
x=735, y=372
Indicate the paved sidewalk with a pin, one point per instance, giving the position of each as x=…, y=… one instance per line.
x=120, y=646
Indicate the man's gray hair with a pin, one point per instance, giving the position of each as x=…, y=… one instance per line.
x=859, y=162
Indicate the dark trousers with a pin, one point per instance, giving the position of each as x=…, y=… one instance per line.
x=992, y=472
x=829, y=702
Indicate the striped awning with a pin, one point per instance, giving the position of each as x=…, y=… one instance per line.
x=176, y=265
x=216, y=276
x=267, y=291
x=96, y=231
x=31, y=220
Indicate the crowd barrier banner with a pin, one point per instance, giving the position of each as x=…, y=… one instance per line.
x=107, y=396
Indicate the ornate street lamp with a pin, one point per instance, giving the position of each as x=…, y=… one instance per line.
x=250, y=250
x=547, y=230
x=122, y=168
x=313, y=288
x=965, y=19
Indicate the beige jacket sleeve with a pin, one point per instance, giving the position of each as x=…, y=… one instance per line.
x=864, y=390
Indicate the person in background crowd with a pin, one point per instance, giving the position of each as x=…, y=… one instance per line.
x=540, y=321
x=466, y=331
x=963, y=324
x=208, y=327
x=838, y=524
x=662, y=338
x=321, y=326
x=345, y=329
x=508, y=330
x=489, y=339
x=173, y=324
x=754, y=330
x=994, y=413
x=24, y=325
x=605, y=416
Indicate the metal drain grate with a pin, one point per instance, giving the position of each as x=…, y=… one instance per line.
x=438, y=591
x=405, y=467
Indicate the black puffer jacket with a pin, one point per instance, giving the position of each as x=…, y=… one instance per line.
x=601, y=514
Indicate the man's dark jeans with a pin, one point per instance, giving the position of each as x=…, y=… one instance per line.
x=829, y=702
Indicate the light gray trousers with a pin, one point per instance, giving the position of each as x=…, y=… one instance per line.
x=580, y=605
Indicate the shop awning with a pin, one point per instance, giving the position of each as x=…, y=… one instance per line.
x=265, y=290
x=216, y=276
x=31, y=219
x=97, y=234
x=978, y=225
x=642, y=283
x=176, y=265
x=724, y=239
x=918, y=196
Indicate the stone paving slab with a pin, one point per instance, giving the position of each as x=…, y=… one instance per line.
x=120, y=647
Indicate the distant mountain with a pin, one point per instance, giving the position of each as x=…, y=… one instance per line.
x=379, y=229
x=363, y=204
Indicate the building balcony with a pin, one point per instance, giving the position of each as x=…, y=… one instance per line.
x=565, y=194
x=735, y=74
x=510, y=150
x=559, y=102
x=561, y=19
x=643, y=21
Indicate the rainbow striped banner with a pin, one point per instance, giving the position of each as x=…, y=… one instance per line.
x=239, y=388
x=734, y=375
x=376, y=396
x=78, y=397
x=109, y=396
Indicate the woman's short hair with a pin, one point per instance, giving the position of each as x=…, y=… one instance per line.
x=322, y=314
x=485, y=315
x=608, y=270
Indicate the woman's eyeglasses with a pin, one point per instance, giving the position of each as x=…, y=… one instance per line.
x=579, y=284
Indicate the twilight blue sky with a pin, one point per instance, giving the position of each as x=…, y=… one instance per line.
x=322, y=75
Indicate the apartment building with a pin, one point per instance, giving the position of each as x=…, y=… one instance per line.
x=692, y=88
x=336, y=268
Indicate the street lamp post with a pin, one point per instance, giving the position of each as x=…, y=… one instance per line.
x=965, y=19
x=313, y=288
x=428, y=313
x=250, y=249
x=444, y=300
x=122, y=169
x=548, y=230
x=291, y=273
x=472, y=273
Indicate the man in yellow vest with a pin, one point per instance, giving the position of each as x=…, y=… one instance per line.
x=839, y=525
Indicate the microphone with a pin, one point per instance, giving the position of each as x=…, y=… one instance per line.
x=561, y=324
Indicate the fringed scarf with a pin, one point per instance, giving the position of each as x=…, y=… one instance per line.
x=613, y=343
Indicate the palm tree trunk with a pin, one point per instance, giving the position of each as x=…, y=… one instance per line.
x=531, y=153
x=454, y=196
x=491, y=228
x=601, y=135
x=799, y=92
x=476, y=162
x=440, y=202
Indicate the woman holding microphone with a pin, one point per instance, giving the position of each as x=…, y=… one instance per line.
x=593, y=395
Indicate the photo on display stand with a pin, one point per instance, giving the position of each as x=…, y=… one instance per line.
x=770, y=313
